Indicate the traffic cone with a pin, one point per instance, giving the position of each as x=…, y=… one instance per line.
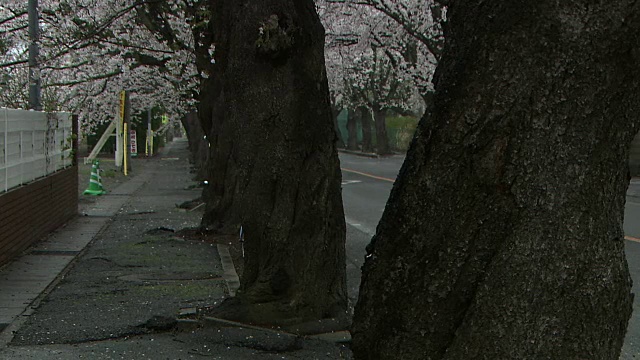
x=95, y=183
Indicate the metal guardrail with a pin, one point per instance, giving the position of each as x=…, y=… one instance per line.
x=32, y=145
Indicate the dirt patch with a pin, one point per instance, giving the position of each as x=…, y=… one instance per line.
x=232, y=241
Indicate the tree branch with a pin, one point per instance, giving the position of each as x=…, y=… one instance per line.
x=86, y=80
x=14, y=29
x=14, y=63
x=433, y=45
x=15, y=16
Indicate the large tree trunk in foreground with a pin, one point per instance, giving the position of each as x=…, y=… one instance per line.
x=274, y=165
x=382, y=140
x=502, y=238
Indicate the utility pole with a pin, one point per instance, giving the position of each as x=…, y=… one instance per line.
x=34, y=66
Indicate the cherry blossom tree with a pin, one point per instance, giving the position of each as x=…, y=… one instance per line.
x=378, y=65
x=89, y=52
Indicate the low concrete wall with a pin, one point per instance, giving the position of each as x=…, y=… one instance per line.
x=30, y=212
x=634, y=156
x=33, y=144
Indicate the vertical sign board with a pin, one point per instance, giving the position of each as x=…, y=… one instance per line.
x=134, y=143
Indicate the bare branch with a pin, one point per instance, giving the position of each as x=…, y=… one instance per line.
x=14, y=29
x=14, y=63
x=86, y=80
x=11, y=18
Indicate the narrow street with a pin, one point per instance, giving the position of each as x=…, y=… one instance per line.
x=366, y=186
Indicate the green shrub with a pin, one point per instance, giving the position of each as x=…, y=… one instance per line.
x=400, y=130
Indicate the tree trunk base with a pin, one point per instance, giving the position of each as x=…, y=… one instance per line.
x=278, y=314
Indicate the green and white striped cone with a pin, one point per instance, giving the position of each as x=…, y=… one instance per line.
x=95, y=183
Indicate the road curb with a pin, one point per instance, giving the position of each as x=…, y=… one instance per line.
x=359, y=153
x=230, y=275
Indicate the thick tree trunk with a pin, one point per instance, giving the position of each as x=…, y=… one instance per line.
x=382, y=140
x=352, y=129
x=274, y=165
x=365, y=120
x=502, y=238
x=198, y=145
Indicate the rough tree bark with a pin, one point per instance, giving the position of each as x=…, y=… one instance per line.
x=274, y=167
x=502, y=238
x=365, y=121
x=382, y=140
x=352, y=129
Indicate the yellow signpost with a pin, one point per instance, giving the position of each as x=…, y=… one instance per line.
x=125, y=147
x=120, y=149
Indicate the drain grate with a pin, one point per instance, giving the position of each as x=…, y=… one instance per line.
x=55, y=252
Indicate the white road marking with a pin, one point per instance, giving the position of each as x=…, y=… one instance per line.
x=359, y=226
x=347, y=182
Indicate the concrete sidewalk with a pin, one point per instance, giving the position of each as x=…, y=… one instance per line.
x=23, y=280
x=111, y=284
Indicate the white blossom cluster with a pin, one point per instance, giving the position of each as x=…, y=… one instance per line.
x=91, y=50
x=380, y=53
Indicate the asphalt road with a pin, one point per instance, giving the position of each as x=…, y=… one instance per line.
x=631, y=349
x=366, y=184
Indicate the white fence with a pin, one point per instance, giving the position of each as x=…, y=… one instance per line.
x=32, y=145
